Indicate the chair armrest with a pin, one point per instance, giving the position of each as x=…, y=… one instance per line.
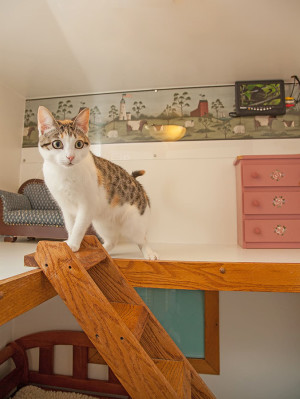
x=13, y=201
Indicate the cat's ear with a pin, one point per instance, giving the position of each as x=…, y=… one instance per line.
x=82, y=120
x=46, y=121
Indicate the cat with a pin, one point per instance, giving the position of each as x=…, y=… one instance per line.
x=91, y=189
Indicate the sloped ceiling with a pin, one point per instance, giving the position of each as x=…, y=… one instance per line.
x=62, y=47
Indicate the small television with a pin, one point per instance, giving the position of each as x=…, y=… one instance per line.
x=260, y=97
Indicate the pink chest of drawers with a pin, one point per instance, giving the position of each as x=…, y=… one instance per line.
x=268, y=201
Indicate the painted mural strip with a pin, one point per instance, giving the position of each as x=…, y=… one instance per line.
x=185, y=114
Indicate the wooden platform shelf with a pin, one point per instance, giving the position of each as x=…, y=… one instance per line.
x=25, y=291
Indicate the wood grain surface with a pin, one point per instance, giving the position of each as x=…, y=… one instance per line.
x=213, y=276
x=102, y=324
x=110, y=312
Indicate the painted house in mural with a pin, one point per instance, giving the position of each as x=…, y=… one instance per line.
x=123, y=115
x=201, y=110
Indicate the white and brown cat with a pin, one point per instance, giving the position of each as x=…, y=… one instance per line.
x=91, y=189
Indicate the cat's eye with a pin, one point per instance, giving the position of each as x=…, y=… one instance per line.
x=57, y=144
x=79, y=144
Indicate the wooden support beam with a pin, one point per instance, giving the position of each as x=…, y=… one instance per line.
x=22, y=293
x=208, y=276
x=212, y=276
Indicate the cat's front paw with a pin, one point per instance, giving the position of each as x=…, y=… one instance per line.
x=74, y=247
x=149, y=254
x=152, y=256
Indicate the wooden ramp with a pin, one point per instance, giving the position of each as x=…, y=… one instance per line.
x=121, y=327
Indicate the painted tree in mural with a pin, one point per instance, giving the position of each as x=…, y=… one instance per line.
x=181, y=101
x=206, y=121
x=168, y=112
x=113, y=114
x=226, y=128
x=137, y=108
x=64, y=108
x=217, y=106
x=27, y=117
x=94, y=112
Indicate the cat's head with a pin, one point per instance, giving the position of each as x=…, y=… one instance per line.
x=64, y=142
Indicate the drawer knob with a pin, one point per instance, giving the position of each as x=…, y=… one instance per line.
x=255, y=203
x=280, y=230
x=257, y=230
x=255, y=175
x=276, y=175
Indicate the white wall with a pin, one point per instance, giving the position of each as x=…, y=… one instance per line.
x=12, y=107
x=191, y=184
x=259, y=346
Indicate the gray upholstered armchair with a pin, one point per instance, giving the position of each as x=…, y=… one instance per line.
x=32, y=212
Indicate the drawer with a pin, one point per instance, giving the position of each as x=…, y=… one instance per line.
x=271, y=175
x=275, y=230
x=271, y=202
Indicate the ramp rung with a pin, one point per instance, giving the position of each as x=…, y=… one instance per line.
x=177, y=375
x=134, y=316
x=88, y=255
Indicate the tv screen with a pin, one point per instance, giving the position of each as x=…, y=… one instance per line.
x=261, y=97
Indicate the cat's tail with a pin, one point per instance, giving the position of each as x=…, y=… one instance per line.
x=137, y=173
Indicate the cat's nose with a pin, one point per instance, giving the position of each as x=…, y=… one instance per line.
x=70, y=158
